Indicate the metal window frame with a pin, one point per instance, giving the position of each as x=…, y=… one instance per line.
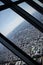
x=30, y=19
x=35, y=6
x=41, y=1
x=30, y=2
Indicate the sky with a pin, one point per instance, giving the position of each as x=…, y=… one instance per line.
x=9, y=20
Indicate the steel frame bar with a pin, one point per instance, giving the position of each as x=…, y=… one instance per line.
x=30, y=2
x=41, y=1
x=3, y=7
x=17, y=51
x=9, y=5
x=35, y=6
x=9, y=1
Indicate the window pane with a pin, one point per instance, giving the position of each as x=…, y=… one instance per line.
x=7, y=57
x=1, y=3
x=9, y=20
x=31, y=11
x=14, y=0
x=24, y=35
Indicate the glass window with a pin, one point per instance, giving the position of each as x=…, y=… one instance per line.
x=9, y=20
x=22, y=33
x=31, y=11
x=14, y=0
x=1, y=3
x=7, y=57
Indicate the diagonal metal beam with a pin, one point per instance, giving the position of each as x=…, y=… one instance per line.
x=9, y=1
x=17, y=51
x=35, y=6
x=3, y=7
x=6, y=1
x=30, y=2
x=18, y=2
x=41, y=1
